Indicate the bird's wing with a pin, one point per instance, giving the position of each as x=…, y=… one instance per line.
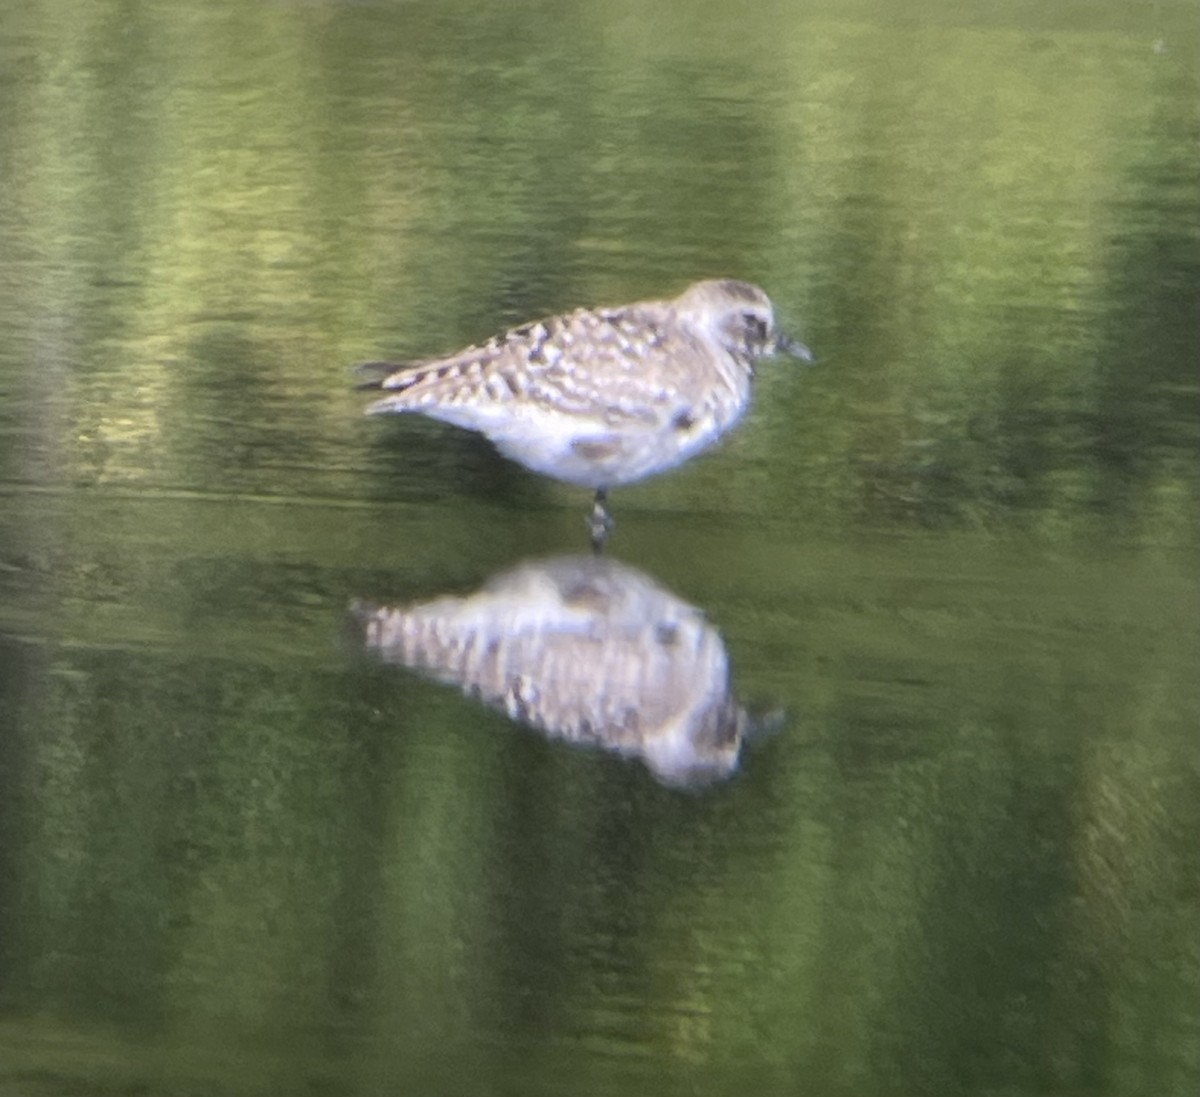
x=617, y=365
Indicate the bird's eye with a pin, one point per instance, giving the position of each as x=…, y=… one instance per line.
x=756, y=326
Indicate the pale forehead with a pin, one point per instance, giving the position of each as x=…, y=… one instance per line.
x=729, y=292
x=743, y=291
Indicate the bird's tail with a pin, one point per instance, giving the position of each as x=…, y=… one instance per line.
x=371, y=375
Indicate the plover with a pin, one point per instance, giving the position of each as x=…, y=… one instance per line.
x=602, y=397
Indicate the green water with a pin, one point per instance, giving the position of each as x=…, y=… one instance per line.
x=952, y=567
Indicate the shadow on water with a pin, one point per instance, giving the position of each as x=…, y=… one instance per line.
x=583, y=649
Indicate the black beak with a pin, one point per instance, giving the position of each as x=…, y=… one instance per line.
x=784, y=344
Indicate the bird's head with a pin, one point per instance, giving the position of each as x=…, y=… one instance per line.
x=740, y=317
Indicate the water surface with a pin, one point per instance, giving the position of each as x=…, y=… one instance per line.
x=949, y=572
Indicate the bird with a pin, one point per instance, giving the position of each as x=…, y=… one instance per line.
x=601, y=397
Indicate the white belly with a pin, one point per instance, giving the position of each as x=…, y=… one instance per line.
x=594, y=456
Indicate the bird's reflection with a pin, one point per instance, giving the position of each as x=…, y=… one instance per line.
x=584, y=649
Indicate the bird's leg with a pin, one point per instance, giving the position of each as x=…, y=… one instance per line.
x=600, y=522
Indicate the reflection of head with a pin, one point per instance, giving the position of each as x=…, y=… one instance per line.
x=584, y=649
